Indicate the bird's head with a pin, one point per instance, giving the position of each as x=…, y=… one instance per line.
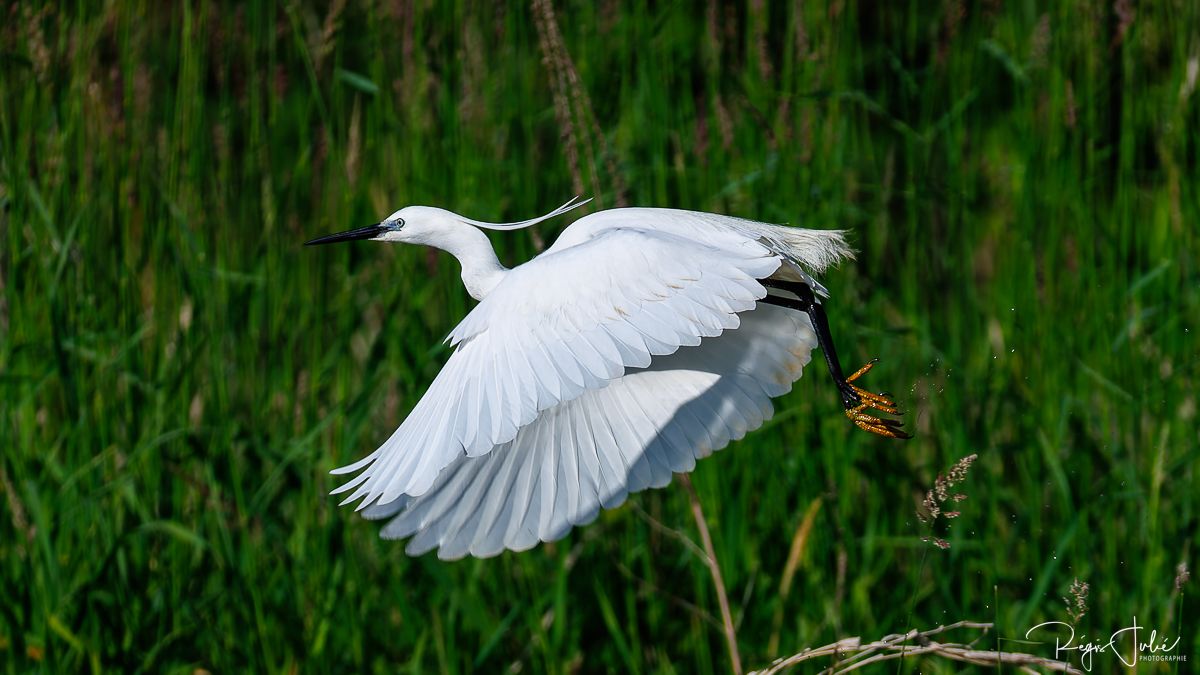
x=430, y=226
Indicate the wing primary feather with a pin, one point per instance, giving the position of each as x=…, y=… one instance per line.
x=495, y=505
x=568, y=480
x=628, y=445
x=528, y=488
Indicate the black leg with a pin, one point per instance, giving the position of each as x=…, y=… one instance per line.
x=854, y=399
x=807, y=302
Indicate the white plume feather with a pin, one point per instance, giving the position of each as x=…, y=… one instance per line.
x=572, y=204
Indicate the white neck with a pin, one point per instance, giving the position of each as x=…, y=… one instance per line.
x=481, y=269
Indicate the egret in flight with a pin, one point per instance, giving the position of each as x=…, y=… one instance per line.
x=642, y=340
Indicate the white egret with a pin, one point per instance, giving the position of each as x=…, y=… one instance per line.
x=642, y=340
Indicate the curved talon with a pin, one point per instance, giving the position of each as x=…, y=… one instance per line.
x=867, y=394
x=881, y=402
x=878, y=430
x=878, y=426
x=869, y=400
x=862, y=371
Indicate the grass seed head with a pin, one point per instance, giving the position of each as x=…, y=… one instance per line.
x=1077, y=600
x=931, y=507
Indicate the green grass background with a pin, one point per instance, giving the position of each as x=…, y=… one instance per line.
x=178, y=374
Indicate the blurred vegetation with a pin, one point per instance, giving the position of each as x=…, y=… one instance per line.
x=177, y=374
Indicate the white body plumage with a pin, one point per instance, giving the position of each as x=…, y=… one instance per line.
x=633, y=346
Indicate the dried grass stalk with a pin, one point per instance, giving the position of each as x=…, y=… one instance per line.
x=852, y=653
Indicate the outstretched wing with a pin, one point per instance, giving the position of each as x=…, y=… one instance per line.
x=593, y=451
x=564, y=323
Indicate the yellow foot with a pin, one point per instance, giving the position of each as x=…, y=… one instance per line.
x=880, y=402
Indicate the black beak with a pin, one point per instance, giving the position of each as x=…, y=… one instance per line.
x=368, y=232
